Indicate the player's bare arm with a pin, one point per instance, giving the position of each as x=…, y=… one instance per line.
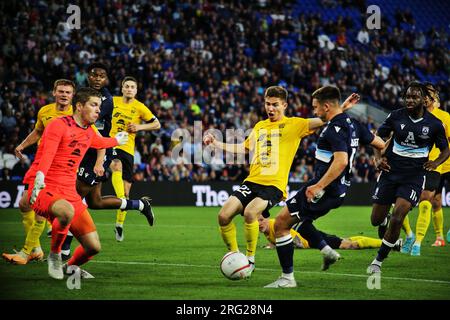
x=153, y=125
x=340, y=161
x=238, y=148
x=432, y=165
x=31, y=139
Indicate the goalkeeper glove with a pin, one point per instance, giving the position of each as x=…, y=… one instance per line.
x=122, y=138
x=39, y=184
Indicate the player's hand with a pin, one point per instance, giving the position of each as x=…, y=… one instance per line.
x=430, y=165
x=132, y=128
x=18, y=151
x=350, y=101
x=314, y=193
x=382, y=164
x=208, y=139
x=121, y=137
x=99, y=170
x=39, y=184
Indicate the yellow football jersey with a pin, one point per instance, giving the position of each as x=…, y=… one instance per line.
x=434, y=153
x=124, y=114
x=274, y=145
x=48, y=113
x=294, y=234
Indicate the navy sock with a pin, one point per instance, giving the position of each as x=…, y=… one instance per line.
x=312, y=235
x=285, y=251
x=384, y=250
x=132, y=205
x=67, y=242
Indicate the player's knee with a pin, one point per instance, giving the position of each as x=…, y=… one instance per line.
x=437, y=204
x=250, y=215
x=375, y=220
x=396, y=221
x=223, y=218
x=116, y=165
x=64, y=211
x=24, y=206
x=94, y=248
x=281, y=227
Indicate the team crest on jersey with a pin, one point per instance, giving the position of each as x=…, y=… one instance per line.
x=402, y=126
x=425, y=130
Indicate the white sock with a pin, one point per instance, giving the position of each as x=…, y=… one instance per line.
x=385, y=222
x=376, y=262
x=124, y=204
x=326, y=250
x=289, y=276
x=141, y=205
x=66, y=252
x=119, y=225
x=69, y=234
x=410, y=234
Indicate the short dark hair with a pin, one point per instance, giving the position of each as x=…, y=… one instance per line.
x=63, y=82
x=84, y=94
x=276, y=92
x=97, y=65
x=128, y=78
x=327, y=93
x=419, y=85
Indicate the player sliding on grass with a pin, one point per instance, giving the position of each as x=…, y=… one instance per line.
x=274, y=143
x=267, y=227
x=53, y=177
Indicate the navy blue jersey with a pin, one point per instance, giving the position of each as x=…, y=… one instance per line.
x=340, y=134
x=412, y=140
x=103, y=122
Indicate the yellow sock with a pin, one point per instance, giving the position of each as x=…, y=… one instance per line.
x=366, y=242
x=438, y=223
x=423, y=220
x=251, y=231
x=117, y=182
x=406, y=226
x=228, y=234
x=32, y=239
x=27, y=220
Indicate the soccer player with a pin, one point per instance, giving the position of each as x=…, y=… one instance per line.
x=63, y=91
x=128, y=115
x=267, y=227
x=336, y=148
x=430, y=200
x=274, y=143
x=415, y=131
x=53, y=177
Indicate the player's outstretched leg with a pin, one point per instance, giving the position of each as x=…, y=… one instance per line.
x=285, y=250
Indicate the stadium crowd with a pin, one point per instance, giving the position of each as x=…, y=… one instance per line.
x=210, y=62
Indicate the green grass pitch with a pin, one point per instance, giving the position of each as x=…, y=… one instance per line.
x=178, y=259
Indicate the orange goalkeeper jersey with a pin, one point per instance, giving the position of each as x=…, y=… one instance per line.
x=63, y=146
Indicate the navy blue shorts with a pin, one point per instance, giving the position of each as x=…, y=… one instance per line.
x=299, y=206
x=390, y=186
x=86, y=170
